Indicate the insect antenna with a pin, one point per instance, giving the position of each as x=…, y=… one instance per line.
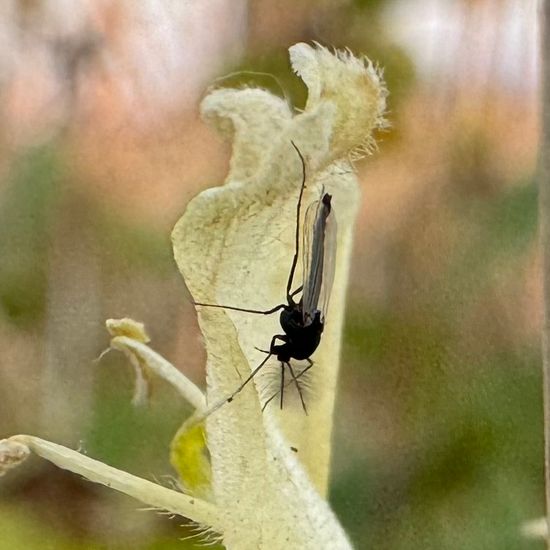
x=290, y=295
x=297, y=242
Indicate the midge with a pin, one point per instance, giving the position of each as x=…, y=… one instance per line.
x=303, y=321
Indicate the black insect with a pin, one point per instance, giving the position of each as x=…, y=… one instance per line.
x=303, y=321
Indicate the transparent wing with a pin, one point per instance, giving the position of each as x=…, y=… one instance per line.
x=319, y=253
x=313, y=252
x=329, y=264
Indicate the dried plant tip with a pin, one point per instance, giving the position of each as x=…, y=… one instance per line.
x=128, y=327
x=12, y=453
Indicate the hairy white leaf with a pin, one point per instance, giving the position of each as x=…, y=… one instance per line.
x=234, y=246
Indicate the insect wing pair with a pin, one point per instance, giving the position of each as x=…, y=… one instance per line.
x=319, y=258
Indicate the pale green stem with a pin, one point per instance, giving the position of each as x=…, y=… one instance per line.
x=147, y=492
x=150, y=359
x=544, y=212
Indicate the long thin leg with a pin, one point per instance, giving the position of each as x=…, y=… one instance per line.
x=311, y=363
x=269, y=400
x=252, y=375
x=299, y=289
x=216, y=406
x=246, y=310
x=297, y=386
x=294, y=380
x=282, y=337
x=297, y=247
x=257, y=311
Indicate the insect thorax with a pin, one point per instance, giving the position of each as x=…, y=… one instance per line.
x=303, y=340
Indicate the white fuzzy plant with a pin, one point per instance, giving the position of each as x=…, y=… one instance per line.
x=265, y=482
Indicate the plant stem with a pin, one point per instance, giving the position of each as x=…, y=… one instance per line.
x=544, y=212
x=152, y=494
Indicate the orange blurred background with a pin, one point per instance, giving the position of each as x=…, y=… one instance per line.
x=438, y=439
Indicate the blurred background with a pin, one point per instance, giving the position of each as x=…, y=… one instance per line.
x=438, y=440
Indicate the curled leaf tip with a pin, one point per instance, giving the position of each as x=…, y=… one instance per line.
x=354, y=85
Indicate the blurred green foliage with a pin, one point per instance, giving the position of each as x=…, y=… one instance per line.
x=38, y=194
x=270, y=71
x=21, y=531
x=27, y=209
x=132, y=245
x=130, y=437
x=504, y=226
x=40, y=191
x=466, y=467
x=371, y=6
x=466, y=470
